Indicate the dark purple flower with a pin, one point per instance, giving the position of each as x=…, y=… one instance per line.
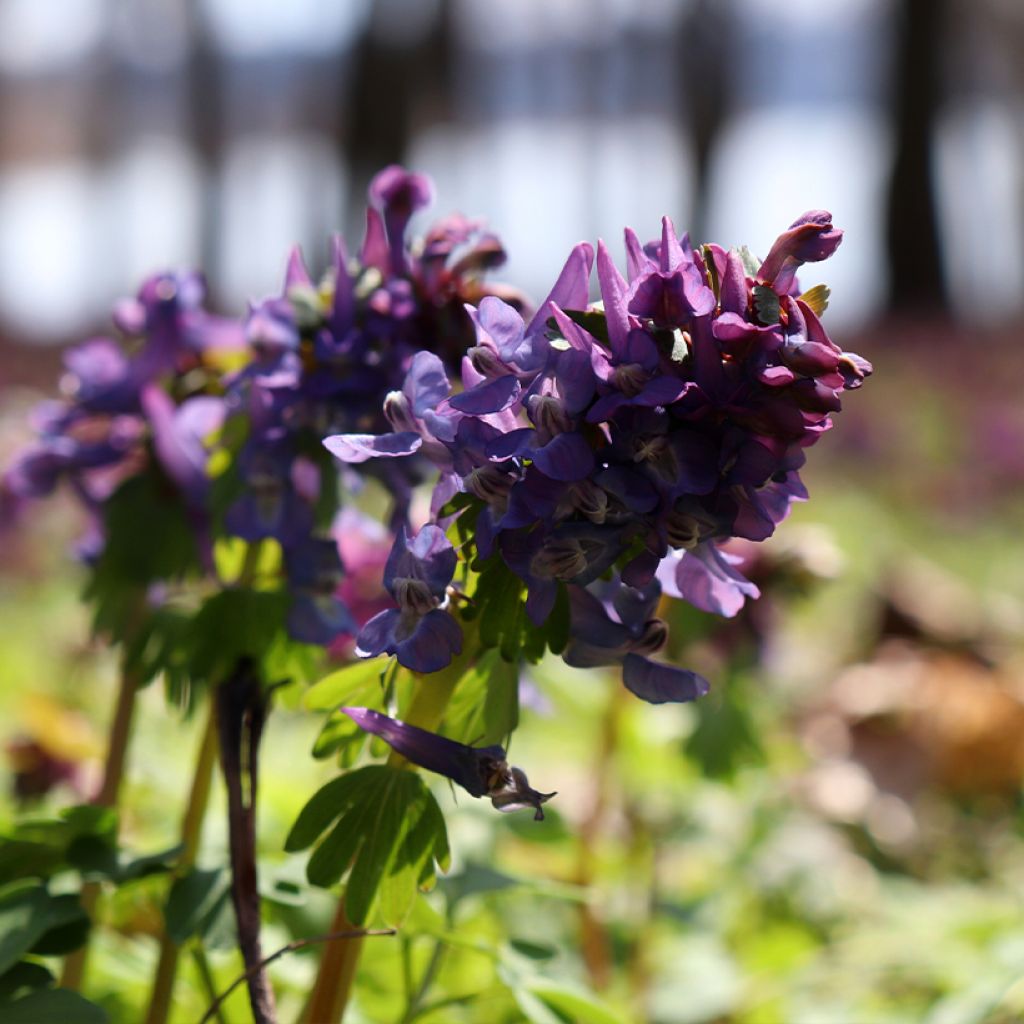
x=314, y=570
x=419, y=632
x=269, y=506
x=481, y=771
x=615, y=624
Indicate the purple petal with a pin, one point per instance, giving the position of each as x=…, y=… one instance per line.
x=571, y=289
x=178, y=447
x=378, y=635
x=520, y=443
x=503, y=324
x=662, y=391
x=318, y=619
x=375, y=252
x=809, y=239
x=436, y=639
x=360, y=447
x=343, y=308
x=566, y=457
x=494, y=396
x=461, y=763
x=296, y=273
x=661, y=684
x=575, y=378
x=426, y=384
x=733, y=292
x=613, y=291
x=429, y=557
x=705, y=577
x=637, y=261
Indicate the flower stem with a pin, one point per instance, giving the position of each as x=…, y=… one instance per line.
x=113, y=772
x=241, y=715
x=340, y=960
x=191, y=831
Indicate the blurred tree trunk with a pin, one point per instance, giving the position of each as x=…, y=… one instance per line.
x=915, y=264
x=395, y=86
x=205, y=119
x=704, y=55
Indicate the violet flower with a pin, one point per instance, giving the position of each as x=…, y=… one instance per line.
x=481, y=771
x=635, y=438
x=419, y=632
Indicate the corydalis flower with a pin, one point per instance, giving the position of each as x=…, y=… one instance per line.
x=481, y=771
x=419, y=632
x=638, y=437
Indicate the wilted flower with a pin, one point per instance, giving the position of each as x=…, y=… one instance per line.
x=481, y=771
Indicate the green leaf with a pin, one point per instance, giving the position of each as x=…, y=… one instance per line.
x=557, y=626
x=766, y=302
x=498, y=596
x=144, y=507
x=573, y=1005
x=41, y=848
x=712, y=269
x=199, y=904
x=325, y=805
x=24, y=975
x=485, y=706
x=53, y=1004
x=235, y=624
x=387, y=826
x=726, y=736
x=751, y=265
x=341, y=736
x=817, y=298
x=69, y=927
x=533, y=950
x=355, y=684
x=27, y=915
x=454, y=504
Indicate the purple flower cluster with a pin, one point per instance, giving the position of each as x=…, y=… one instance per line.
x=121, y=396
x=262, y=391
x=611, y=451
x=323, y=356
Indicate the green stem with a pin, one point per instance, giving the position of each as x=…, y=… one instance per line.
x=415, y=1003
x=113, y=773
x=338, y=965
x=191, y=832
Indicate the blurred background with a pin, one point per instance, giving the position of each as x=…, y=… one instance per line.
x=152, y=133
x=837, y=833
